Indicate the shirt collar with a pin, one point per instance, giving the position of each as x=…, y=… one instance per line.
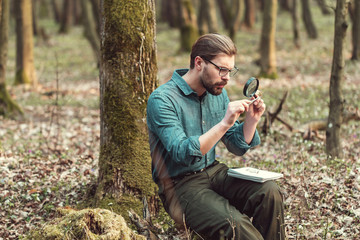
x=181, y=83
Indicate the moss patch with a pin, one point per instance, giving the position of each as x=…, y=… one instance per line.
x=90, y=224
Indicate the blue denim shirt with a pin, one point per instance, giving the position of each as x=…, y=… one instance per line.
x=176, y=118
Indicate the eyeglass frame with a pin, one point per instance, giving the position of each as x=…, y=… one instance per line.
x=228, y=71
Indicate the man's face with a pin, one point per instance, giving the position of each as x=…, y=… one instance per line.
x=210, y=78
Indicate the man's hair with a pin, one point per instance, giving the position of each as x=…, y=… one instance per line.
x=208, y=46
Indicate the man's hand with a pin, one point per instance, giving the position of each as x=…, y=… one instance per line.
x=234, y=110
x=256, y=110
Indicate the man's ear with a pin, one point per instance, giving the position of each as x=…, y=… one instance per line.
x=198, y=63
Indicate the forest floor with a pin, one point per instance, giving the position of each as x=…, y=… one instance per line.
x=49, y=158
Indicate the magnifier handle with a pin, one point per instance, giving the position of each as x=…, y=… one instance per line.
x=253, y=100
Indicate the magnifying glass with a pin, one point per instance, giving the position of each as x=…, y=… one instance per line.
x=250, y=88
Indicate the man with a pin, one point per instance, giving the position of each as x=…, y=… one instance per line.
x=187, y=117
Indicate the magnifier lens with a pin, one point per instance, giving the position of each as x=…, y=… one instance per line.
x=251, y=87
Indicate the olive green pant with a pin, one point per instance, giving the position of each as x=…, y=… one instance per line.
x=213, y=204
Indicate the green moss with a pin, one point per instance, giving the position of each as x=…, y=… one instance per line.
x=89, y=224
x=21, y=78
x=272, y=75
x=8, y=107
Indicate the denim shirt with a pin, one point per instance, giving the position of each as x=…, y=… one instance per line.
x=177, y=117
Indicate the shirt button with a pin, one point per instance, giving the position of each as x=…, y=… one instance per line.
x=203, y=122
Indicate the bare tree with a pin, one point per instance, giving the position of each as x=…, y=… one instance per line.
x=250, y=13
x=355, y=17
x=294, y=17
x=90, y=29
x=231, y=13
x=25, y=70
x=8, y=107
x=333, y=134
x=66, y=16
x=128, y=74
x=267, y=42
x=207, y=17
x=308, y=21
x=188, y=24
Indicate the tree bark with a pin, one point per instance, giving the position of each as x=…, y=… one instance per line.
x=56, y=11
x=356, y=31
x=25, y=70
x=333, y=131
x=66, y=16
x=128, y=74
x=324, y=9
x=8, y=107
x=294, y=17
x=250, y=13
x=231, y=13
x=188, y=25
x=207, y=17
x=267, y=42
x=95, y=7
x=90, y=29
x=308, y=21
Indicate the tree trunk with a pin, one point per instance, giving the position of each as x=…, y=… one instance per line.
x=231, y=13
x=25, y=70
x=324, y=9
x=267, y=42
x=128, y=74
x=34, y=16
x=207, y=17
x=66, y=16
x=77, y=15
x=188, y=25
x=95, y=7
x=356, y=31
x=294, y=17
x=90, y=29
x=250, y=13
x=171, y=13
x=307, y=18
x=8, y=107
x=285, y=5
x=333, y=144
x=56, y=11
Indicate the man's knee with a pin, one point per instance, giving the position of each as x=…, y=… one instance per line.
x=272, y=191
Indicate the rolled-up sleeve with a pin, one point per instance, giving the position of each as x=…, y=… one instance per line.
x=235, y=142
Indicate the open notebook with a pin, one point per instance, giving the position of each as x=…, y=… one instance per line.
x=253, y=174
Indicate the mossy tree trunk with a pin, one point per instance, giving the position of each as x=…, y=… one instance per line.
x=308, y=21
x=128, y=71
x=267, y=42
x=207, y=17
x=8, y=107
x=333, y=133
x=189, y=31
x=90, y=29
x=25, y=70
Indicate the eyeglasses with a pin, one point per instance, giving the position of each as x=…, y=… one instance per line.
x=224, y=71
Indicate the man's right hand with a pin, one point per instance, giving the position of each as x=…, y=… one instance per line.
x=234, y=110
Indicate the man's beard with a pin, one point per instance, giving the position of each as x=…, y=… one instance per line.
x=213, y=89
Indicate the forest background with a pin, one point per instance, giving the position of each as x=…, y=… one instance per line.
x=49, y=158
